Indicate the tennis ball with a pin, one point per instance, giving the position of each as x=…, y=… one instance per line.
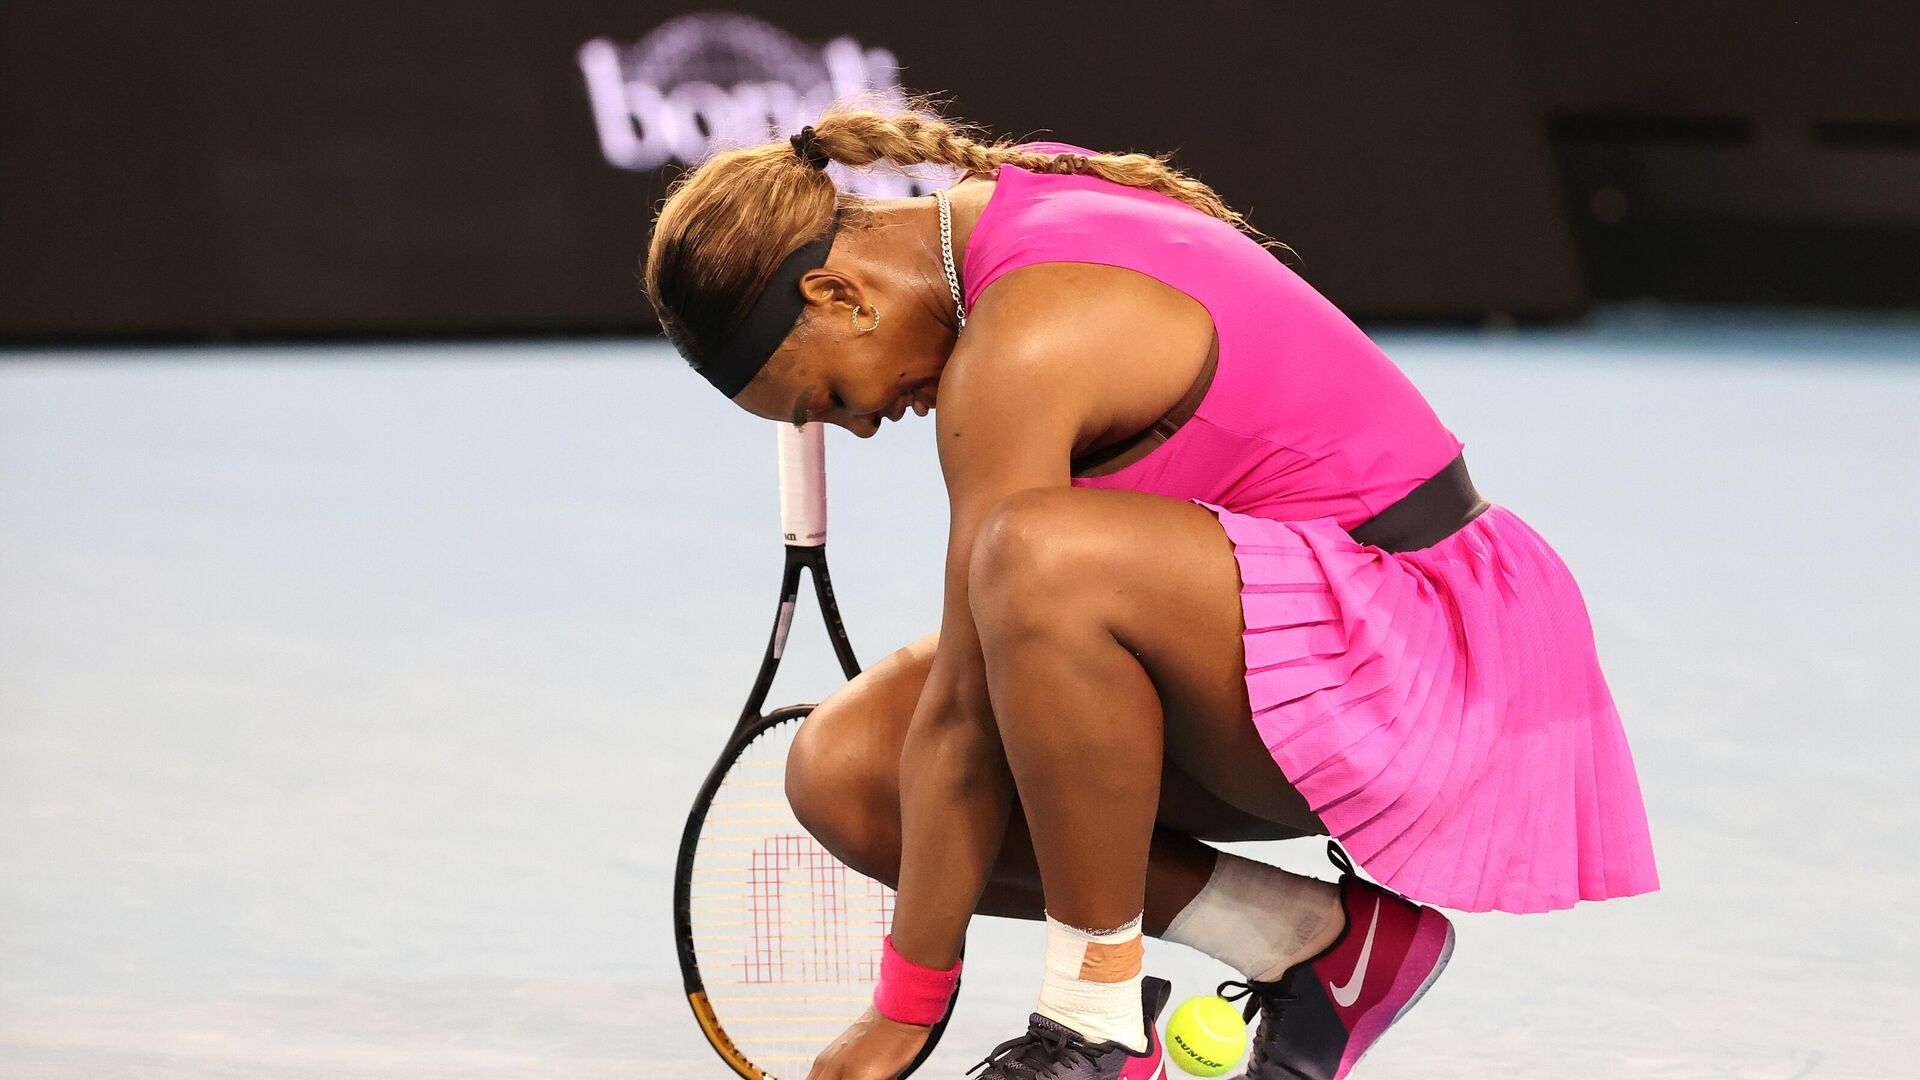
x=1206, y=1036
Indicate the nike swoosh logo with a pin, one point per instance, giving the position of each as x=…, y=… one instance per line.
x=1345, y=996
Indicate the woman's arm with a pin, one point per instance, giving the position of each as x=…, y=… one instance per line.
x=955, y=789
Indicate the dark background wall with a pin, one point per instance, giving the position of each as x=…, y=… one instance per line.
x=173, y=169
x=1743, y=152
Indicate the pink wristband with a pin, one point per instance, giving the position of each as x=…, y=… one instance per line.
x=910, y=994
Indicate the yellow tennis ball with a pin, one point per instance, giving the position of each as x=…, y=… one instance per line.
x=1206, y=1036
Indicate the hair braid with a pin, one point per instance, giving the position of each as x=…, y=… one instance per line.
x=863, y=137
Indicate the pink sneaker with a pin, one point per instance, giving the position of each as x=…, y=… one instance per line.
x=1049, y=1050
x=1324, y=1013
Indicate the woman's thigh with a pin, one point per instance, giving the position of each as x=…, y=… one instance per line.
x=1159, y=575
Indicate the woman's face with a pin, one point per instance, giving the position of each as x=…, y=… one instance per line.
x=829, y=371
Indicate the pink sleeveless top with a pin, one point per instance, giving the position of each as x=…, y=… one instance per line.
x=1306, y=418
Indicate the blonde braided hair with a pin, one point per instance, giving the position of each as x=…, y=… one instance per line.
x=725, y=226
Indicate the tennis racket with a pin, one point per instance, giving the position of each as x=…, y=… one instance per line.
x=779, y=941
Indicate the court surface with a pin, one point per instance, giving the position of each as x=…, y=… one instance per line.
x=351, y=698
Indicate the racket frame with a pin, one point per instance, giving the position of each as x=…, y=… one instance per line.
x=803, y=527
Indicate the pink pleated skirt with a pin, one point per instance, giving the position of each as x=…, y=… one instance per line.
x=1443, y=711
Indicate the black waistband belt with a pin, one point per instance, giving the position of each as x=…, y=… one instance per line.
x=1428, y=514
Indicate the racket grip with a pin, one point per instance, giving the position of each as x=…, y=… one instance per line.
x=803, y=485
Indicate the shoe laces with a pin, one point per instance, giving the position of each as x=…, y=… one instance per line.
x=1041, y=1051
x=1270, y=1000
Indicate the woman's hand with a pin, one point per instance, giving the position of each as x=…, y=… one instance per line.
x=873, y=1048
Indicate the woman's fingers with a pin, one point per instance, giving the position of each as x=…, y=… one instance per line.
x=872, y=1048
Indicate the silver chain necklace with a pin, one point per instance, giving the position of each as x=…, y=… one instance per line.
x=946, y=254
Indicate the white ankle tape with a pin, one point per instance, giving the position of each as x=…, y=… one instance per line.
x=1092, y=983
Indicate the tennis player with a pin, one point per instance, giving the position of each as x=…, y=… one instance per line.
x=1215, y=572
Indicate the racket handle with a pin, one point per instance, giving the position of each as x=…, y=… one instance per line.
x=803, y=485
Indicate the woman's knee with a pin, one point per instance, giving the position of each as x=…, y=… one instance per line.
x=843, y=776
x=1029, y=561
x=842, y=790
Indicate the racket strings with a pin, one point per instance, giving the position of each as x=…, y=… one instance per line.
x=788, y=937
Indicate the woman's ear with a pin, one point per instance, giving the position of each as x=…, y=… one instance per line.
x=826, y=288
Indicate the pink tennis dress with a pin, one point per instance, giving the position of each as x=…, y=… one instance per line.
x=1442, y=710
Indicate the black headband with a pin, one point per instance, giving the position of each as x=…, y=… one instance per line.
x=739, y=358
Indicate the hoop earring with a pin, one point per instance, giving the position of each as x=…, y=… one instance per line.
x=855, y=316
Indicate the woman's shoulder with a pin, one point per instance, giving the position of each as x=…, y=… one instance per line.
x=1032, y=217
